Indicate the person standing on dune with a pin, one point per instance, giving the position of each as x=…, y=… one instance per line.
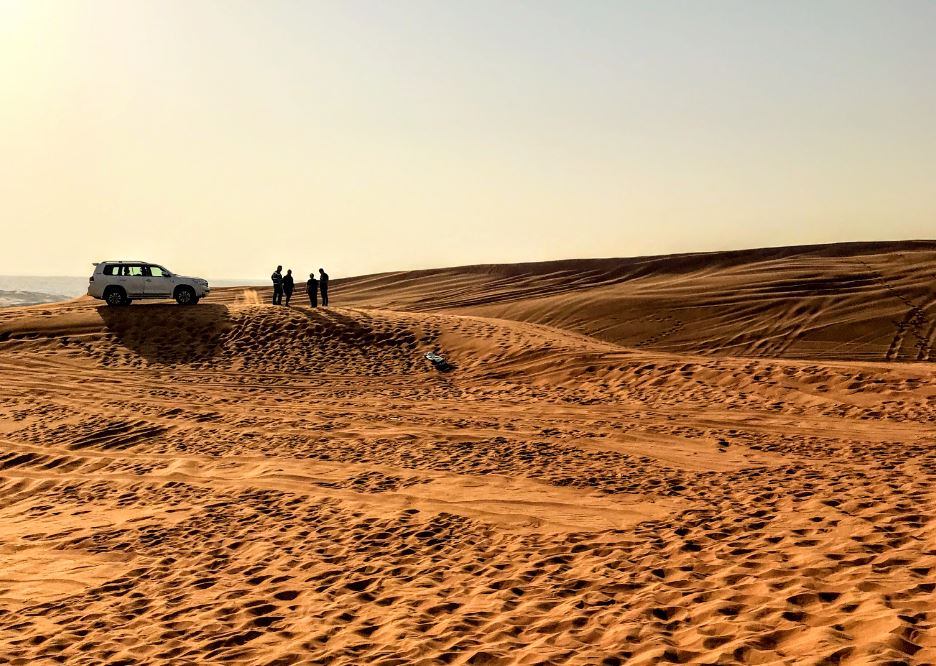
x=288, y=286
x=323, y=282
x=277, y=278
x=312, y=290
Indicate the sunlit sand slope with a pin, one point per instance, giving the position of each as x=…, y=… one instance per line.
x=238, y=483
x=874, y=301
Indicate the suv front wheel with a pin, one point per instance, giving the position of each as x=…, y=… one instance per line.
x=185, y=296
x=116, y=296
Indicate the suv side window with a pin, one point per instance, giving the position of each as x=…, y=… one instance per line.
x=134, y=271
x=111, y=269
x=156, y=271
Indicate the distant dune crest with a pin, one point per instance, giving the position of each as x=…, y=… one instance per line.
x=868, y=301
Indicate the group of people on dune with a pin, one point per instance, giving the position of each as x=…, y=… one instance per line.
x=283, y=286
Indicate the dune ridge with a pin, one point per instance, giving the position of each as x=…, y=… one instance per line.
x=235, y=482
x=869, y=301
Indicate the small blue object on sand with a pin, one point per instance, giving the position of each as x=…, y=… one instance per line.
x=438, y=361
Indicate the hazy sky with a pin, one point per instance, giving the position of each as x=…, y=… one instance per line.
x=222, y=138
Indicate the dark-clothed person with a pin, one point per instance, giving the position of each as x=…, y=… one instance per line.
x=323, y=285
x=288, y=286
x=312, y=290
x=277, y=278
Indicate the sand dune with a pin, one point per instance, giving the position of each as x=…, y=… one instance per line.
x=870, y=301
x=723, y=458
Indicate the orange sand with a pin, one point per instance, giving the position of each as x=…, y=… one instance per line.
x=718, y=458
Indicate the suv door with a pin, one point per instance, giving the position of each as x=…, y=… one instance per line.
x=157, y=283
x=131, y=278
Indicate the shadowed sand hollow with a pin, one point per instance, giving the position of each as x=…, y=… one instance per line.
x=716, y=458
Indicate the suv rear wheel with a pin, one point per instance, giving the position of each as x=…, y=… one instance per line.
x=116, y=296
x=185, y=296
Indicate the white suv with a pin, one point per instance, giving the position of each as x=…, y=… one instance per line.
x=122, y=282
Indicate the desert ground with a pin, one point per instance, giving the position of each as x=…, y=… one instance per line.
x=721, y=458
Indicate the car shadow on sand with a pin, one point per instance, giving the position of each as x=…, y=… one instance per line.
x=169, y=334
